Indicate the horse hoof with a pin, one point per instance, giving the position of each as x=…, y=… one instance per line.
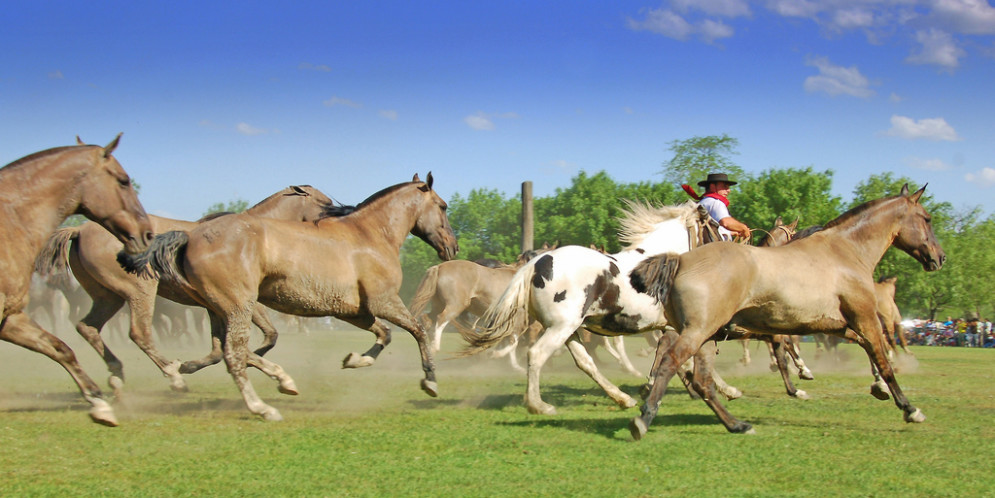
x=733, y=393
x=189, y=367
x=915, y=417
x=742, y=428
x=637, y=428
x=880, y=393
x=626, y=402
x=103, y=414
x=179, y=387
x=288, y=387
x=806, y=374
x=355, y=360
x=430, y=387
x=272, y=415
x=801, y=394
x=543, y=409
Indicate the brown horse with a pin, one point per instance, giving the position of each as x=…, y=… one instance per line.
x=342, y=266
x=822, y=283
x=91, y=253
x=37, y=193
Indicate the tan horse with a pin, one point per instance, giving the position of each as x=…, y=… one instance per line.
x=91, y=253
x=345, y=266
x=822, y=283
x=37, y=193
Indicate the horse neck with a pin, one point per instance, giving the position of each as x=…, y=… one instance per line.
x=39, y=195
x=391, y=216
x=870, y=233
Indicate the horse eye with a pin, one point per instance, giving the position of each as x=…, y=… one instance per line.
x=124, y=182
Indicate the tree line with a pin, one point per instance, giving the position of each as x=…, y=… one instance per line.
x=487, y=223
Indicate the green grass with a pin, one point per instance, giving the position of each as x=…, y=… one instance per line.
x=372, y=432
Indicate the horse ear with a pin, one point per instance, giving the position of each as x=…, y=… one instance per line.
x=415, y=178
x=113, y=145
x=778, y=222
x=905, y=190
x=794, y=224
x=915, y=197
x=299, y=191
x=429, y=180
x=78, y=141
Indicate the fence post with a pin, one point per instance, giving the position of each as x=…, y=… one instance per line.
x=527, y=225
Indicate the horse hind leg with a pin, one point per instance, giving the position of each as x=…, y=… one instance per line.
x=141, y=334
x=550, y=341
x=585, y=362
x=391, y=308
x=275, y=372
x=616, y=347
x=21, y=330
x=104, y=307
x=235, y=346
x=261, y=319
x=781, y=362
x=703, y=383
x=216, y=354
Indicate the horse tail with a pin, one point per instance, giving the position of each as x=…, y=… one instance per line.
x=161, y=259
x=54, y=256
x=655, y=275
x=506, y=317
x=425, y=291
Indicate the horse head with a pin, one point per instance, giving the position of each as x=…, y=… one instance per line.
x=107, y=196
x=779, y=235
x=432, y=224
x=915, y=233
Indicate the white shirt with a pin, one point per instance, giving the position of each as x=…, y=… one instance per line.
x=717, y=210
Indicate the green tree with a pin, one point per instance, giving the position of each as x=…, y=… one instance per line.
x=790, y=193
x=234, y=206
x=694, y=158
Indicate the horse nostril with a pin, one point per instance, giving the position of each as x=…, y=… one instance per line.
x=148, y=236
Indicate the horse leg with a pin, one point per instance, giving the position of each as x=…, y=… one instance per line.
x=879, y=389
x=356, y=360
x=275, y=372
x=585, y=362
x=745, y=360
x=216, y=354
x=769, y=341
x=665, y=365
x=141, y=305
x=704, y=384
x=19, y=329
x=510, y=345
x=776, y=344
x=391, y=308
x=260, y=318
x=234, y=338
x=616, y=347
x=551, y=340
x=869, y=327
x=105, y=305
x=792, y=344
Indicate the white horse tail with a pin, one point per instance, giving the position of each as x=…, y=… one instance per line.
x=655, y=275
x=425, y=291
x=506, y=317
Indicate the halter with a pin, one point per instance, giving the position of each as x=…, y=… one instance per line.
x=789, y=233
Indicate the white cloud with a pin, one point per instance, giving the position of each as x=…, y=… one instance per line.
x=983, y=178
x=334, y=101
x=663, y=22
x=925, y=129
x=837, y=80
x=895, y=98
x=247, y=129
x=724, y=8
x=795, y=8
x=307, y=66
x=479, y=121
x=970, y=17
x=713, y=30
x=939, y=48
x=927, y=164
x=852, y=18
x=388, y=114
x=56, y=75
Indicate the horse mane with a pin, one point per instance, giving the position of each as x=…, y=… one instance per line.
x=857, y=211
x=805, y=232
x=333, y=211
x=640, y=219
x=40, y=154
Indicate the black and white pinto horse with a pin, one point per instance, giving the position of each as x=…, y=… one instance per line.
x=572, y=287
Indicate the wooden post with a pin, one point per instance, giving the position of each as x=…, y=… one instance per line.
x=527, y=225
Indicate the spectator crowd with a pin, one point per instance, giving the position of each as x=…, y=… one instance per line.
x=970, y=333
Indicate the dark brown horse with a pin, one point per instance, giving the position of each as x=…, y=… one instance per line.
x=343, y=266
x=822, y=283
x=91, y=253
x=37, y=193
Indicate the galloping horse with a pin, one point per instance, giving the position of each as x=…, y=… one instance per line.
x=91, y=253
x=37, y=193
x=343, y=266
x=822, y=283
x=574, y=286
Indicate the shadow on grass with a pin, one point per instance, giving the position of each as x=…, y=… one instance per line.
x=609, y=427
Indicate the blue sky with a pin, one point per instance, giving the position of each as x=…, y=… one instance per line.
x=221, y=101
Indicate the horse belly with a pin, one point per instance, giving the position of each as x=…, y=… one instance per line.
x=305, y=296
x=793, y=313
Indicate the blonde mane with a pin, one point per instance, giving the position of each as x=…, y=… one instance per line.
x=640, y=219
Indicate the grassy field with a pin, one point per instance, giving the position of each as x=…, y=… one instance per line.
x=372, y=432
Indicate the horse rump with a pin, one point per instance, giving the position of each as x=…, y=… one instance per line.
x=655, y=275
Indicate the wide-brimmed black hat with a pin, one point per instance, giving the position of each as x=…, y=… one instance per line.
x=716, y=177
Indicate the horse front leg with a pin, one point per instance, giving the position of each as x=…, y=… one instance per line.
x=868, y=326
x=393, y=309
x=585, y=362
x=260, y=318
x=793, y=348
x=103, y=309
x=665, y=365
x=616, y=347
x=19, y=329
x=142, y=307
x=357, y=360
